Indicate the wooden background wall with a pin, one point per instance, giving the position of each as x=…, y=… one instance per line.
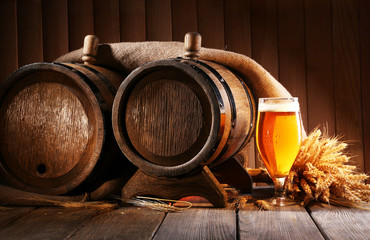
x=318, y=49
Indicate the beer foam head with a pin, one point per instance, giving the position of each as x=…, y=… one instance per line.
x=278, y=105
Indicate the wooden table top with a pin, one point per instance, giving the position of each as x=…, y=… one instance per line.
x=319, y=221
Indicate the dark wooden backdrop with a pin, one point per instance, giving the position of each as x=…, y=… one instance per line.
x=318, y=49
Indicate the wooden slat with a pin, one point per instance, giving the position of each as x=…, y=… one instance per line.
x=47, y=223
x=292, y=65
x=106, y=20
x=347, y=75
x=8, y=41
x=319, y=75
x=158, y=20
x=184, y=18
x=290, y=222
x=123, y=223
x=132, y=20
x=80, y=22
x=55, y=29
x=8, y=215
x=29, y=32
x=211, y=23
x=264, y=35
x=202, y=223
x=364, y=6
x=238, y=26
x=340, y=222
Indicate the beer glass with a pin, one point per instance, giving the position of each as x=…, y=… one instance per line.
x=279, y=137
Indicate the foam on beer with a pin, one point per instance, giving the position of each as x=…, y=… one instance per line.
x=278, y=107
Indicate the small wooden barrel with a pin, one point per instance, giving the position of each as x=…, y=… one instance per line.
x=55, y=126
x=171, y=116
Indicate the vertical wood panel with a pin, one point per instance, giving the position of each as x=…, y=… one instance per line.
x=8, y=41
x=80, y=22
x=264, y=35
x=132, y=20
x=319, y=75
x=158, y=20
x=238, y=26
x=184, y=18
x=211, y=23
x=106, y=20
x=347, y=76
x=292, y=66
x=364, y=6
x=55, y=28
x=29, y=32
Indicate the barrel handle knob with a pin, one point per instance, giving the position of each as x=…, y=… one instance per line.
x=90, y=49
x=192, y=44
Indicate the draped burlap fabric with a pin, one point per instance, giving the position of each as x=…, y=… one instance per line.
x=126, y=57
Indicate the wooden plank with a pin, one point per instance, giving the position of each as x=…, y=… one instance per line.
x=123, y=223
x=29, y=32
x=347, y=75
x=158, y=20
x=47, y=223
x=292, y=64
x=202, y=223
x=132, y=20
x=290, y=222
x=211, y=23
x=8, y=215
x=265, y=35
x=238, y=26
x=319, y=75
x=8, y=41
x=364, y=17
x=80, y=22
x=55, y=29
x=340, y=222
x=184, y=18
x=106, y=20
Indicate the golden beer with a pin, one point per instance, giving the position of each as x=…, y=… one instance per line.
x=278, y=136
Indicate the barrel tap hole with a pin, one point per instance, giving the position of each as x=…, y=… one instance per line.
x=41, y=168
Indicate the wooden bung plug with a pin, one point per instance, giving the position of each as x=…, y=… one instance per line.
x=90, y=49
x=192, y=44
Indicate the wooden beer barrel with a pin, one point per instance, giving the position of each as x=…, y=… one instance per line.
x=55, y=126
x=171, y=116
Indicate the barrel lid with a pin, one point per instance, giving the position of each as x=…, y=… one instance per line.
x=51, y=128
x=166, y=117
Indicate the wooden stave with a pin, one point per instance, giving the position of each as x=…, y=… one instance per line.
x=209, y=158
x=85, y=176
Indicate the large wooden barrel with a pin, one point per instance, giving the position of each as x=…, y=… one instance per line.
x=171, y=116
x=55, y=127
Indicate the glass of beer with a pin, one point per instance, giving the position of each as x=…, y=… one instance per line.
x=279, y=137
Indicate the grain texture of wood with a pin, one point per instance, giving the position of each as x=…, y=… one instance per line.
x=199, y=224
x=122, y=223
x=8, y=215
x=158, y=20
x=292, y=65
x=55, y=29
x=347, y=75
x=8, y=41
x=47, y=223
x=290, y=222
x=132, y=20
x=80, y=22
x=319, y=75
x=341, y=222
x=211, y=23
x=29, y=21
x=107, y=21
x=184, y=18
